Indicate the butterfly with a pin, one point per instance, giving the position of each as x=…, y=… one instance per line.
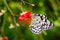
x=40, y=22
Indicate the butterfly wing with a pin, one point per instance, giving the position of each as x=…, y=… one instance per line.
x=40, y=22
x=47, y=25
x=35, y=26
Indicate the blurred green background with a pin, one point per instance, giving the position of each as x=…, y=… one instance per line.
x=50, y=8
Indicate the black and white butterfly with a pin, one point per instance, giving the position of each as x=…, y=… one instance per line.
x=40, y=22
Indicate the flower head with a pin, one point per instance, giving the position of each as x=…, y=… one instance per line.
x=25, y=17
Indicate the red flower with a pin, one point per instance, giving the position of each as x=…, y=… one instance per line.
x=28, y=15
x=4, y=38
x=25, y=18
x=21, y=18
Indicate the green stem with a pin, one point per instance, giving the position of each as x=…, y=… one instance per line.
x=41, y=37
x=8, y=7
x=10, y=11
x=21, y=6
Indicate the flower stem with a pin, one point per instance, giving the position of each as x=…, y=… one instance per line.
x=8, y=7
x=21, y=6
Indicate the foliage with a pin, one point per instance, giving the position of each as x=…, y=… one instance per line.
x=13, y=9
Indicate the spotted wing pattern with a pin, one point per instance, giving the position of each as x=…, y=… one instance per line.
x=39, y=22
